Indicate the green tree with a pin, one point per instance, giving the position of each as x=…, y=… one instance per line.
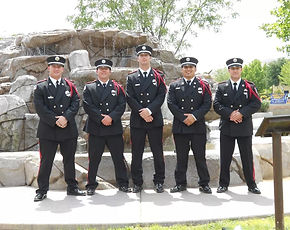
x=168, y=20
x=255, y=72
x=280, y=28
x=285, y=74
x=221, y=75
x=273, y=70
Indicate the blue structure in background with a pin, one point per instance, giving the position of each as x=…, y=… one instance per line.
x=279, y=98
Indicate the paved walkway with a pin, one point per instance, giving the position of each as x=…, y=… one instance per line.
x=111, y=208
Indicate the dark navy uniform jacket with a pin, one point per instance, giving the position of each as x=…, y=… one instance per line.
x=194, y=99
x=98, y=100
x=146, y=93
x=51, y=102
x=246, y=100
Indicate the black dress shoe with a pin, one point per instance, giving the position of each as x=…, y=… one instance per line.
x=221, y=189
x=205, y=189
x=159, y=188
x=39, y=197
x=75, y=192
x=254, y=190
x=124, y=188
x=90, y=191
x=178, y=188
x=137, y=188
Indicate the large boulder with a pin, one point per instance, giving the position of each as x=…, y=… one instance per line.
x=30, y=130
x=264, y=147
x=56, y=180
x=23, y=87
x=12, y=171
x=12, y=118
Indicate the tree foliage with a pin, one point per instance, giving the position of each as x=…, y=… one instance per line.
x=273, y=70
x=221, y=75
x=285, y=74
x=280, y=28
x=168, y=20
x=255, y=72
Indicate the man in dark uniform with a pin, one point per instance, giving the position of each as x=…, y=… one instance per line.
x=146, y=91
x=189, y=99
x=104, y=101
x=235, y=101
x=56, y=102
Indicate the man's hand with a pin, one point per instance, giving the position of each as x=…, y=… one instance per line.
x=189, y=120
x=236, y=117
x=148, y=119
x=107, y=120
x=144, y=113
x=61, y=121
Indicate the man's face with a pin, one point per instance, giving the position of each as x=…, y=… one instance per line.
x=103, y=73
x=188, y=71
x=144, y=59
x=55, y=71
x=235, y=73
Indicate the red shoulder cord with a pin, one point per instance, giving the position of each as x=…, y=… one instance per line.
x=251, y=91
x=157, y=75
x=116, y=85
x=204, y=86
x=72, y=86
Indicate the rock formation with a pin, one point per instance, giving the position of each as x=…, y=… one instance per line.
x=23, y=63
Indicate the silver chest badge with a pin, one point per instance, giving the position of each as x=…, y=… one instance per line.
x=113, y=92
x=199, y=90
x=154, y=82
x=67, y=93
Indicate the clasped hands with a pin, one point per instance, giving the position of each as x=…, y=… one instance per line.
x=61, y=121
x=189, y=120
x=236, y=117
x=144, y=113
x=107, y=120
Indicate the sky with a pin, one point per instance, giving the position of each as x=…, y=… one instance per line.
x=240, y=37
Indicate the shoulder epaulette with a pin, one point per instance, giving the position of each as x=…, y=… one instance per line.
x=133, y=72
x=222, y=82
x=250, y=82
x=159, y=71
x=90, y=82
x=41, y=81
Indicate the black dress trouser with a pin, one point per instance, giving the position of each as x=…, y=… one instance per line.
x=47, y=149
x=115, y=145
x=138, y=137
x=227, y=146
x=183, y=143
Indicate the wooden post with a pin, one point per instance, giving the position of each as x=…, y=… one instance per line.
x=278, y=181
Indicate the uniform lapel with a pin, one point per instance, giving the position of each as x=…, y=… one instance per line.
x=107, y=90
x=182, y=85
x=51, y=87
x=189, y=88
x=148, y=80
x=60, y=91
x=240, y=89
x=229, y=90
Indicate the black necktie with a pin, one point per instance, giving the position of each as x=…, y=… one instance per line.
x=188, y=82
x=235, y=87
x=104, y=85
x=145, y=74
x=57, y=84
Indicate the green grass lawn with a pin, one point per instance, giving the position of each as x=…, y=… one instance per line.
x=249, y=224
